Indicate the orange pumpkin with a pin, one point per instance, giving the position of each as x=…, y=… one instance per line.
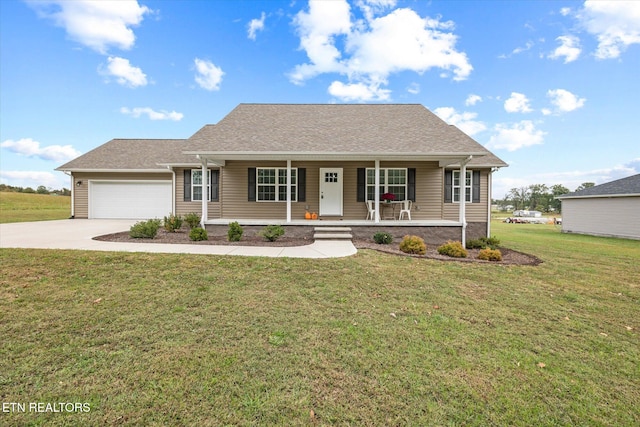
x=314, y=216
x=307, y=215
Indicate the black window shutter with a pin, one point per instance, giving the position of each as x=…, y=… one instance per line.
x=187, y=185
x=448, y=186
x=215, y=185
x=251, y=189
x=475, y=191
x=362, y=184
x=302, y=185
x=411, y=181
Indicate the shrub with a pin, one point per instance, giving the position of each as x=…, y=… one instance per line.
x=272, y=232
x=198, y=234
x=413, y=245
x=453, y=249
x=490, y=255
x=192, y=219
x=382, y=238
x=235, y=232
x=145, y=229
x=172, y=223
x=483, y=242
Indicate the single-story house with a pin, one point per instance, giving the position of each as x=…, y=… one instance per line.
x=610, y=209
x=271, y=163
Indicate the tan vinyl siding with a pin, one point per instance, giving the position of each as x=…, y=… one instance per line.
x=475, y=212
x=81, y=192
x=183, y=208
x=605, y=216
x=234, y=177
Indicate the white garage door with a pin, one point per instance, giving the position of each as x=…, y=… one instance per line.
x=129, y=200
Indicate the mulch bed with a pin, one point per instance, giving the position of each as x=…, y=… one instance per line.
x=509, y=257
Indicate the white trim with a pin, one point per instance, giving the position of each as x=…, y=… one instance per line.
x=206, y=185
x=599, y=196
x=289, y=189
x=376, y=191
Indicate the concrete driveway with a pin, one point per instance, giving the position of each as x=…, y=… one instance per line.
x=78, y=233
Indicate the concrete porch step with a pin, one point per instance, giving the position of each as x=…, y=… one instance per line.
x=332, y=233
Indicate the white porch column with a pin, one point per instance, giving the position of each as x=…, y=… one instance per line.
x=376, y=191
x=489, y=192
x=288, y=191
x=463, y=199
x=205, y=192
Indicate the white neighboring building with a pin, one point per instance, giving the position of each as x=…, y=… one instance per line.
x=611, y=209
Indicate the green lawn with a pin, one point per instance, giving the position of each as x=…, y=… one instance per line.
x=23, y=207
x=374, y=339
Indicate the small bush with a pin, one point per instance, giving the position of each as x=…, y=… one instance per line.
x=272, y=232
x=198, y=234
x=453, y=249
x=413, y=245
x=382, y=238
x=490, y=255
x=145, y=229
x=235, y=232
x=476, y=244
x=172, y=223
x=192, y=219
x=492, y=242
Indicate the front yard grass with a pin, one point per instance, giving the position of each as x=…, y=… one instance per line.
x=374, y=339
x=24, y=207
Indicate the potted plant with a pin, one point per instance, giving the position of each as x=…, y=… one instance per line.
x=388, y=197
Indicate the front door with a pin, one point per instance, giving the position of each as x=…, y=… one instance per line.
x=331, y=191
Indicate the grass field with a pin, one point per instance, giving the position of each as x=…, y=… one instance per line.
x=22, y=207
x=374, y=339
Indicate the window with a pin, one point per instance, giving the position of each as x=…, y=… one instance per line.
x=392, y=181
x=271, y=184
x=196, y=185
x=458, y=185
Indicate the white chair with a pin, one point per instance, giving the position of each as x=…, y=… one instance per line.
x=406, y=209
x=371, y=213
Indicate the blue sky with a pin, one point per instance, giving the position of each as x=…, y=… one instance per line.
x=551, y=87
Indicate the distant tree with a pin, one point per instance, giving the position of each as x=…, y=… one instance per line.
x=519, y=197
x=557, y=190
x=28, y=190
x=42, y=190
x=585, y=185
x=539, y=197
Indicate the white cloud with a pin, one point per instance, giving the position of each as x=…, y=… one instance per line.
x=565, y=11
x=517, y=103
x=358, y=92
x=208, y=75
x=95, y=24
x=516, y=136
x=33, y=179
x=472, y=99
x=125, y=73
x=29, y=148
x=569, y=49
x=464, y=121
x=256, y=25
x=152, y=114
x=414, y=88
x=616, y=25
x=368, y=50
x=564, y=101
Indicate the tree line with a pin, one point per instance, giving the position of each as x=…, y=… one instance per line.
x=41, y=189
x=537, y=197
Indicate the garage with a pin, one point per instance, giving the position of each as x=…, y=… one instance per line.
x=129, y=199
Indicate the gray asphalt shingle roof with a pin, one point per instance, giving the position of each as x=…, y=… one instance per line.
x=623, y=186
x=331, y=128
x=381, y=129
x=132, y=154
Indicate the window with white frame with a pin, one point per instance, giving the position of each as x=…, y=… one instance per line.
x=392, y=181
x=197, y=187
x=271, y=184
x=458, y=185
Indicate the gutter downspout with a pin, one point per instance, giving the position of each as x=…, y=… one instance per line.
x=463, y=199
x=73, y=194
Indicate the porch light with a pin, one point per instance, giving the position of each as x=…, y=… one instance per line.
x=78, y=183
